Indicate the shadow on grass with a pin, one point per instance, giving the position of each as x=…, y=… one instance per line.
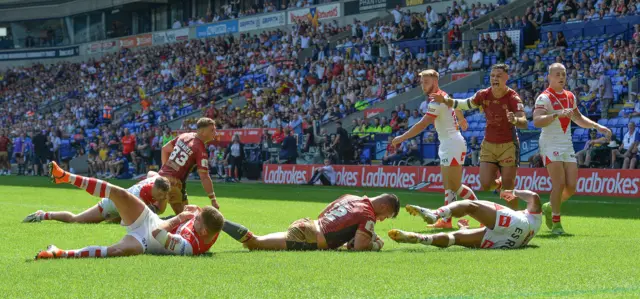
x=554, y=236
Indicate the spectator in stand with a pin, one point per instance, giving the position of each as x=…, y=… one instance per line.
x=391, y=155
x=5, y=144
x=234, y=156
x=289, y=151
x=342, y=145
x=594, y=149
x=325, y=174
x=626, y=151
x=128, y=142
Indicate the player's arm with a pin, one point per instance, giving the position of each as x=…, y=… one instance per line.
x=541, y=115
x=151, y=174
x=521, y=120
x=586, y=123
x=202, y=161
x=166, y=150
x=366, y=242
x=461, y=120
x=531, y=198
x=458, y=104
x=172, y=242
x=426, y=120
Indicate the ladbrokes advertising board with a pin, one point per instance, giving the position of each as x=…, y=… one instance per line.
x=625, y=183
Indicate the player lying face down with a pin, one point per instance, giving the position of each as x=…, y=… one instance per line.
x=349, y=219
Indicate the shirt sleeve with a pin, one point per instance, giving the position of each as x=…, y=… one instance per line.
x=574, y=102
x=178, y=245
x=516, y=103
x=479, y=97
x=367, y=224
x=543, y=103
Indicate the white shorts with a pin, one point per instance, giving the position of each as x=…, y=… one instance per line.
x=513, y=229
x=557, y=153
x=108, y=209
x=142, y=228
x=452, y=151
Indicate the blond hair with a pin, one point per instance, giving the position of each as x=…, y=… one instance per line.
x=205, y=122
x=212, y=219
x=555, y=66
x=430, y=73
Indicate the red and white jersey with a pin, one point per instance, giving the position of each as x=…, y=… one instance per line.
x=186, y=231
x=445, y=122
x=559, y=131
x=143, y=189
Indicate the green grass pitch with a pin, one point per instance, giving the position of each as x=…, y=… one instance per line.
x=600, y=258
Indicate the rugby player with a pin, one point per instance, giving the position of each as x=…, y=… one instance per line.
x=503, y=228
x=452, y=149
x=349, y=219
x=180, y=155
x=500, y=148
x=554, y=110
x=191, y=232
x=153, y=191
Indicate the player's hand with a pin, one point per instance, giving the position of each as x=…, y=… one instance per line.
x=511, y=117
x=191, y=208
x=185, y=216
x=604, y=131
x=214, y=203
x=380, y=243
x=507, y=195
x=438, y=98
x=396, y=141
x=566, y=113
x=464, y=125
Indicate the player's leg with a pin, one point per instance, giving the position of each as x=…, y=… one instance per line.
x=470, y=238
x=128, y=246
x=449, y=196
x=274, y=241
x=129, y=206
x=454, y=178
x=509, y=182
x=558, y=180
x=482, y=211
x=176, y=196
x=91, y=215
x=489, y=179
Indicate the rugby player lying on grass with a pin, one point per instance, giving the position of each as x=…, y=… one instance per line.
x=191, y=232
x=504, y=227
x=349, y=218
x=154, y=191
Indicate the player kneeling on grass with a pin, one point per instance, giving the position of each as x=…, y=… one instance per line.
x=191, y=232
x=349, y=218
x=504, y=227
x=153, y=191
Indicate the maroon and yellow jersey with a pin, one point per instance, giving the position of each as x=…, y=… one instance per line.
x=495, y=110
x=348, y=214
x=187, y=231
x=188, y=151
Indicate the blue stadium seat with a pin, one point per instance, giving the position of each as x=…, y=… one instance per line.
x=603, y=121
x=613, y=122
x=623, y=122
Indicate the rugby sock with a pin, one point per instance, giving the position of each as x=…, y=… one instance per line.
x=93, y=186
x=443, y=212
x=425, y=239
x=555, y=217
x=89, y=251
x=449, y=197
x=237, y=231
x=46, y=216
x=466, y=193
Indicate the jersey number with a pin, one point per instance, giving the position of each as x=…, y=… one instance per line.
x=182, y=157
x=335, y=213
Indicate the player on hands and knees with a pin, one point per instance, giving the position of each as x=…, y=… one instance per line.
x=183, y=153
x=555, y=109
x=500, y=149
x=453, y=147
x=191, y=232
x=503, y=228
x=153, y=191
x=349, y=219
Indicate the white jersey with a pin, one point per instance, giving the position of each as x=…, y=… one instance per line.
x=108, y=208
x=558, y=132
x=446, y=122
x=513, y=229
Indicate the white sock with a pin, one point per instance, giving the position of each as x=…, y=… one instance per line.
x=443, y=212
x=449, y=197
x=89, y=251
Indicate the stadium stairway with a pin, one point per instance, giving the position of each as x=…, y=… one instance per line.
x=517, y=7
x=412, y=99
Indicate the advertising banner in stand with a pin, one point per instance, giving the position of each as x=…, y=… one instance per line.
x=136, y=41
x=103, y=46
x=263, y=21
x=600, y=182
x=458, y=76
x=314, y=14
x=372, y=4
x=38, y=54
x=170, y=36
x=216, y=29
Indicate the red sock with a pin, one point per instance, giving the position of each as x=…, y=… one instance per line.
x=46, y=216
x=555, y=218
x=91, y=251
x=466, y=193
x=93, y=186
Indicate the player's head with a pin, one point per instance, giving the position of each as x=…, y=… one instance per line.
x=206, y=128
x=327, y=161
x=160, y=190
x=499, y=75
x=429, y=79
x=557, y=76
x=385, y=206
x=208, y=222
